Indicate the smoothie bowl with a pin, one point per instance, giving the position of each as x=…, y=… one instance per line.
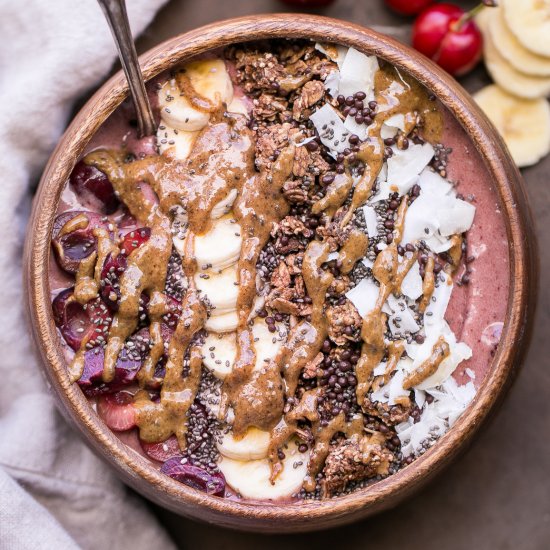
x=297, y=301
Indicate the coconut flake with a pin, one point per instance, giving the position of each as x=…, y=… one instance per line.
x=411, y=286
x=405, y=165
x=331, y=129
x=360, y=130
x=332, y=81
x=367, y=262
x=450, y=401
x=456, y=218
x=431, y=182
x=420, y=222
x=392, y=125
x=401, y=318
x=435, y=312
x=334, y=52
x=357, y=74
x=363, y=296
x=371, y=221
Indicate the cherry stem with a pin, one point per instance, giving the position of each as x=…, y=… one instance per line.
x=457, y=25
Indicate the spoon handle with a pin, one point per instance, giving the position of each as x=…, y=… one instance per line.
x=115, y=13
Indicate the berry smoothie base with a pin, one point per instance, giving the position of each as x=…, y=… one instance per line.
x=382, y=370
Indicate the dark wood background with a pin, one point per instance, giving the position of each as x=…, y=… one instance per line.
x=498, y=495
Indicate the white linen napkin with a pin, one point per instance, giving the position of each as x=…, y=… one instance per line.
x=54, y=493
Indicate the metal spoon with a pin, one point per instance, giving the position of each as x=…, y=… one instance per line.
x=115, y=13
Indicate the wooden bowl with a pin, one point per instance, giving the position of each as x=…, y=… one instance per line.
x=137, y=471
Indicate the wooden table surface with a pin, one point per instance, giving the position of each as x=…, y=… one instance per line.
x=498, y=495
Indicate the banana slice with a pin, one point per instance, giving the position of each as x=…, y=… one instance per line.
x=177, y=112
x=529, y=20
x=220, y=287
x=512, y=49
x=226, y=322
x=253, y=446
x=219, y=350
x=211, y=80
x=224, y=206
x=220, y=247
x=251, y=478
x=523, y=123
x=175, y=143
x=513, y=81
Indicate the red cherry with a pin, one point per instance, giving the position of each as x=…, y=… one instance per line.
x=117, y=411
x=308, y=3
x=162, y=451
x=445, y=34
x=408, y=7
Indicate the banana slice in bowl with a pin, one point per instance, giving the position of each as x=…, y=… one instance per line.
x=251, y=479
x=253, y=446
x=220, y=247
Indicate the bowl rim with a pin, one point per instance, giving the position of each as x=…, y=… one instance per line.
x=136, y=470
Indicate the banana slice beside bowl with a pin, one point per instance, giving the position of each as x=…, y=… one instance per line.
x=529, y=20
x=251, y=479
x=523, y=123
x=513, y=81
x=512, y=49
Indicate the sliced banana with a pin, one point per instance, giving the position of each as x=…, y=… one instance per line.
x=177, y=112
x=512, y=49
x=253, y=446
x=226, y=322
x=220, y=247
x=210, y=79
x=224, y=206
x=266, y=343
x=219, y=352
x=220, y=287
x=529, y=20
x=513, y=81
x=251, y=479
x=175, y=143
x=523, y=123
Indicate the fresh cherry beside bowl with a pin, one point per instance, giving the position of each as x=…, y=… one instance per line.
x=448, y=35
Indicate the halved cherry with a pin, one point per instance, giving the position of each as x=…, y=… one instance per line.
x=127, y=366
x=126, y=369
x=134, y=239
x=117, y=410
x=114, y=266
x=71, y=247
x=112, y=269
x=211, y=484
x=79, y=322
x=162, y=451
x=93, y=186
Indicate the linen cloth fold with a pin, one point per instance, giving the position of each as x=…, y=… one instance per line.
x=54, y=493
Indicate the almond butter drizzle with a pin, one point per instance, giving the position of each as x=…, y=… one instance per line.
x=440, y=352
